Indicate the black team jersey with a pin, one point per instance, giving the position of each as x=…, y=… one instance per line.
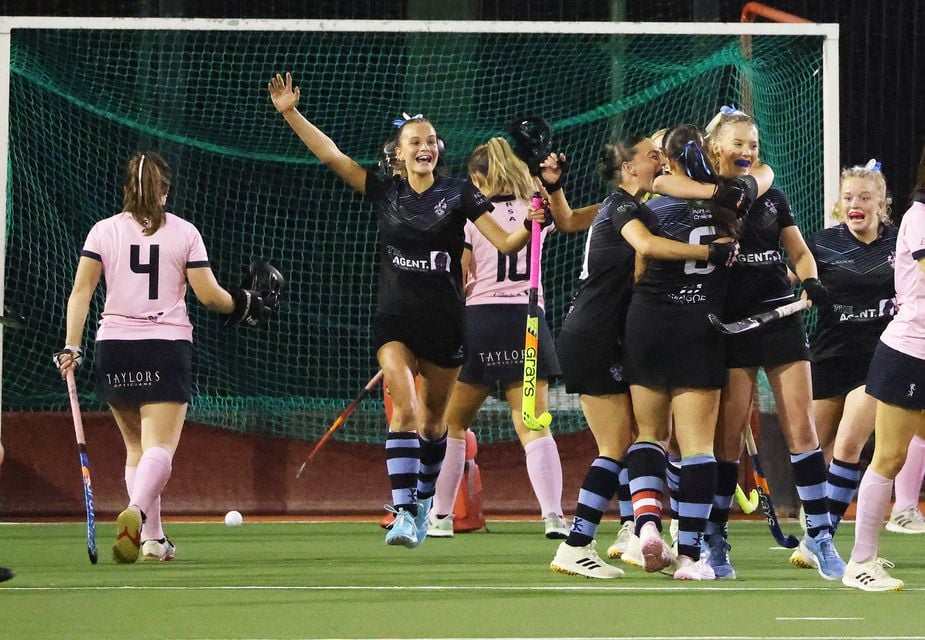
x=602, y=297
x=683, y=282
x=859, y=278
x=422, y=239
x=758, y=279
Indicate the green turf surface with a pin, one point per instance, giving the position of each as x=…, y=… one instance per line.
x=338, y=580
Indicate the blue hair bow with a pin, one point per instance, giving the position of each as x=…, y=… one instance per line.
x=729, y=110
x=695, y=164
x=872, y=165
x=400, y=122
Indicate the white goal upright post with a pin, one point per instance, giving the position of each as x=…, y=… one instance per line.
x=78, y=96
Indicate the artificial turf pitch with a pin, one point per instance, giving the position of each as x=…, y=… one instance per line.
x=338, y=580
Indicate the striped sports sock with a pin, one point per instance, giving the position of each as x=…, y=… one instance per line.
x=432, y=454
x=695, y=500
x=403, y=461
x=727, y=477
x=623, y=494
x=646, y=462
x=596, y=492
x=842, y=481
x=673, y=476
x=809, y=476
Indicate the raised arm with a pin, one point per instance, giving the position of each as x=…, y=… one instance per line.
x=567, y=219
x=285, y=98
x=504, y=242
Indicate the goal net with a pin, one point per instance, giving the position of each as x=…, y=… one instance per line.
x=83, y=95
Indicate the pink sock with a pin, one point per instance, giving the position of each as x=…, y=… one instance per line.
x=152, y=528
x=150, y=479
x=454, y=463
x=873, y=504
x=545, y=471
x=909, y=478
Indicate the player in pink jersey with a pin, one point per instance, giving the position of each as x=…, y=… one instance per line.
x=897, y=379
x=144, y=340
x=497, y=286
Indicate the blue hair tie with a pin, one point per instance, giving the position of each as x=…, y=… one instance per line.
x=695, y=164
x=400, y=122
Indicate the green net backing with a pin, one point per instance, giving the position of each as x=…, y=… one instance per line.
x=83, y=100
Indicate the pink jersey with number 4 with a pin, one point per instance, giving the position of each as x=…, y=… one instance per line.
x=145, y=276
x=496, y=278
x=906, y=333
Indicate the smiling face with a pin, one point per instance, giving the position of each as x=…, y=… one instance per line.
x=861, y=205
x=736, y=147
x=417, y=148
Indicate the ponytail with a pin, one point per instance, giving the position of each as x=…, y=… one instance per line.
x=147, y=178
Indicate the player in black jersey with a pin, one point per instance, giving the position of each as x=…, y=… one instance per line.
x=759, y=282
x=674, y=363
x=591, y=341
x=855, y=261
x=418, y=326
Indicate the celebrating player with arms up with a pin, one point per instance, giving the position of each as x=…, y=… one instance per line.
x=419, y=323
x=144, y=341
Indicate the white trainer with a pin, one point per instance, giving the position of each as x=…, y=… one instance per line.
x=909, y=520
x=633, y=554
x=163, y=550
x=797, y=559
x=871, y=576
x=583, y=561
x=690, y=569
x=624, y=536
x=438, y=527
x=556, y=526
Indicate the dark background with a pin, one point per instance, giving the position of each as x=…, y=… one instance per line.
x=882, y=59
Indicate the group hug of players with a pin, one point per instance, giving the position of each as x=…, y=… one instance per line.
x=665, y=395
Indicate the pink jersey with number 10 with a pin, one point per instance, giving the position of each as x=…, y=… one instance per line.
x=496, y=278
x=145, y=276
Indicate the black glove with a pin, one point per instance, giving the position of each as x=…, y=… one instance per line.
x=74, y=351
x=547, y=219
x=723, y=254
x=249, y=309
x=738, y=194
x=816, y=292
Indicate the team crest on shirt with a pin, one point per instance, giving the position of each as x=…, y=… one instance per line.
x=440, y=207
x=892, y=259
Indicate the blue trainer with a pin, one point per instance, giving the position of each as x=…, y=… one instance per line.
x=420, y=520
x=403, y=532
x=823, y=555
x=718, y=551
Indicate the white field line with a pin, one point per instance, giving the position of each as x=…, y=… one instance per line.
x=431, y=588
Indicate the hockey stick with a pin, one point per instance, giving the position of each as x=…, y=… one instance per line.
x=764, y=494
x=755, y=321
x=747, y=503
x=12, y=320
x=341, y=419
x=84, y=466
x=531, y=337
